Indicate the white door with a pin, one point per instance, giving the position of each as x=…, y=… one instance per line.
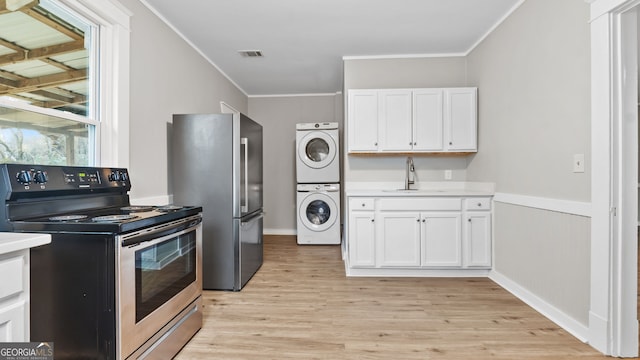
x=477, y=237
x=441, y=240
x=460, y=118
x=398, y=238
x=394, y=118
x=428, y=129
x=362, y=239
x=362, y=116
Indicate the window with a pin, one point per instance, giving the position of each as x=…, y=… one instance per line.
x=90, y=129
x=47, y=103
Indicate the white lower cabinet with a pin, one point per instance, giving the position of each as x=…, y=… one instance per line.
x=419, y=233
x=441, y=243
x=361, y=246
x=477, y=229
x=399, y=240
x=13, y=302
x=14, y=287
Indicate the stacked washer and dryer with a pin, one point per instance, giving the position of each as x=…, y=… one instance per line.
x=318, y=178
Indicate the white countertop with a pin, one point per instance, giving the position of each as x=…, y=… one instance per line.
x=418, y=192
x=10, y=242
x=423, y=189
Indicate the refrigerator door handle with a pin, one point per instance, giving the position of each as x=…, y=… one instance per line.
x=245, y=207
x=250, y=220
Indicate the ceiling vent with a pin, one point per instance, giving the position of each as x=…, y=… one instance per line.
x=250, y=53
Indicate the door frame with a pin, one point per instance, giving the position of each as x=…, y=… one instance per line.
x=613, y=324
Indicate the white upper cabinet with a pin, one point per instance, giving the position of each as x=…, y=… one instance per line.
x=394, y=120
x=412, y=120
x=461, y=119
x=363, y=120
x=427, y=120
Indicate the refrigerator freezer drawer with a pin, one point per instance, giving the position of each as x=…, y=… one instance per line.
x=250, y=252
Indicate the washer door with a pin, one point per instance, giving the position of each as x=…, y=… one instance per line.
x=318, y=212
x=317, y=149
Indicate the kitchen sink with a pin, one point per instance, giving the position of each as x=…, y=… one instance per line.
x=411, y=190
x=400, y=190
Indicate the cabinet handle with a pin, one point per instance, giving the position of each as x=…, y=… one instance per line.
x=410, y=143
x=363, y=205
x=450, y=142
x=469, y=219
x=376, y=144
x=424, y=220
x=479, y=204
x=372, y=220
x=418, y=220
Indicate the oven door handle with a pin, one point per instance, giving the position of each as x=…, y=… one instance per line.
x=152, y=234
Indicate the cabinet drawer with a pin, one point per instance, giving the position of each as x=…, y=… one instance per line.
x=360, y=204
x=420, y=204
x=477, y=204
x=12, y=271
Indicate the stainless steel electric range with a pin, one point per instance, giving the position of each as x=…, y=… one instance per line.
x=117, y=281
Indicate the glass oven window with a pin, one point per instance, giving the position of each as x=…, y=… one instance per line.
x=164, y=270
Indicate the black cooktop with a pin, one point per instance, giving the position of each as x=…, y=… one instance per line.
x=107, y=220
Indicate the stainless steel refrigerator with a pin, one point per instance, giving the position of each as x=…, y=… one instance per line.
x=217, y=163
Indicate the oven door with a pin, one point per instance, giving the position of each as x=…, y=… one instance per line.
x=159, y=277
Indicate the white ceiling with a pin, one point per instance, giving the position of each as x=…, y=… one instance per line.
x=304, y=41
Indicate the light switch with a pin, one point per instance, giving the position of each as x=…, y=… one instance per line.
x=578, y=163
x=447, y=174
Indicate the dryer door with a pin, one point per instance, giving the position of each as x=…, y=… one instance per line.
x=317, y=149
x=318, y=211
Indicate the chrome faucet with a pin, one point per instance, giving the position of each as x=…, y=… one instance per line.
x=409, y=180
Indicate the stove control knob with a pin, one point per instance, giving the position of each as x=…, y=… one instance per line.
x=40, y=177
x=124, y=176
x=115, y=176
x=24, y=177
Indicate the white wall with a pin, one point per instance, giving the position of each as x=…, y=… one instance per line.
x=534, y=107
x=403, y=73
x=167, y=76
x=279, y=116
x=533, y=75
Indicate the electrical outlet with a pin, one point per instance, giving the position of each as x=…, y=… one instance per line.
x=447, y=174
x=578, y=163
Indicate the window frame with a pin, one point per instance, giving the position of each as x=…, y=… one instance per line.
x=113, y=39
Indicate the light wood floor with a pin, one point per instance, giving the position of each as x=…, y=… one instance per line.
x=300, y=305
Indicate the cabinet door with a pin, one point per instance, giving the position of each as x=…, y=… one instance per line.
x=395, y=131
x=362, y=120
x=478, y=239
x=427, y=120
x=12, y=321
x=460, y=119
x=441, y=239
x=361, y=239
x=398, y=239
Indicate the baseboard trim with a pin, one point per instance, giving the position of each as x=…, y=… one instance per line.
x=552, y=313
x=268, y=231
x=564, y=206
x=599, y=332
x=390, y=272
